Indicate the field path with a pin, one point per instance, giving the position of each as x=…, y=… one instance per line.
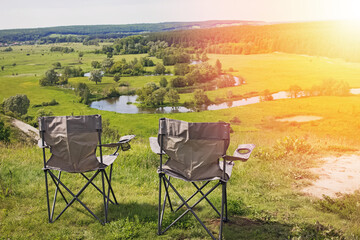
x=26, y=128
x=338, y=174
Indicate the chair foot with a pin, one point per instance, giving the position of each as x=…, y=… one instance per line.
x=226, y=220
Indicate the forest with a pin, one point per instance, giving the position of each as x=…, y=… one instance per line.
x=330, y=39
x=86, y=32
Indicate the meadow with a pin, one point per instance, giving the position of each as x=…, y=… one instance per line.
x=264, y=194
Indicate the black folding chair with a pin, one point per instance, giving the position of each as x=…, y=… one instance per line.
x=73, y=141
x=193, y=151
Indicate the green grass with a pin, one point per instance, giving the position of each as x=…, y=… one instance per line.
x=265, y=201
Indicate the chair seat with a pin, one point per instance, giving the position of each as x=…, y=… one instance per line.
x=172, y=173
x=108, y=159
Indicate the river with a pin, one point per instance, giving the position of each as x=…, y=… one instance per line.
x=123, y=104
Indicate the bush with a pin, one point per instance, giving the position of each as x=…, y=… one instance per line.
x=83, y=91
x=124, y=84
x=116, y=77
x=43, y=112
x=51, y=78
x=266, y=96
x=163, y=82
x=235, y=120
x=4, y=132
x=226, y=81
x=17, y=104
x=200, y=98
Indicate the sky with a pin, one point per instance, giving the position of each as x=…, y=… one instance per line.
x=45, y=13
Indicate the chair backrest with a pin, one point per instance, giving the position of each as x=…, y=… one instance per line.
x=72, y=140
x=194, y=149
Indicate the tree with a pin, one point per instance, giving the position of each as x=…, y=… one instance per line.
x=57, y=65
x=95, y=76
x=158, y=97
x=146, y=91
x=226, y=81
x=51, y=78
x=178, y=82
x=18, y=104
x=193, y=77
x=204, y=57
x=266, y=96
x=117, y=77
x=295, y=91
x=200, y=98
x=163, y=82
x=107, y=64
x=159, y=69
x=81, y=54
x=83, y=91
x=218, y=67
x=172, y=96
x=181, y=69
x=95, y=64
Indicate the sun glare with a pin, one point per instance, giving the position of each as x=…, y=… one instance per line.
x=349, y=10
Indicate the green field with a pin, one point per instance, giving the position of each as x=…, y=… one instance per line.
x=264, y=196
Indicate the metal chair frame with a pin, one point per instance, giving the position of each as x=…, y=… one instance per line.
x=105, y=178
x=164, y=182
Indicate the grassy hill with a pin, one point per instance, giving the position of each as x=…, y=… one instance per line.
x=265, y=198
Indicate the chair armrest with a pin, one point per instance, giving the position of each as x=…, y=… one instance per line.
x=126, y=138
x=154, y=145
x=123, y=143
x=123, y=139
x=242, y=153
x=40, y=145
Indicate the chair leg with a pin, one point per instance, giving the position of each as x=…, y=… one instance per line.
x=222, y=208
x=110, y=187
x=226, y=219
x=75, y=197
x=199, y=191
x=104, y=195
x=167, y=194
x=47, y=195
x=160, y=213
x=55, y=196
x=97, y=188
x=190, y=208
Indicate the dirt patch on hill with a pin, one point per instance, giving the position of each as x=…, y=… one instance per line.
x=26, y=128
x=336, y=175
x=300, y=119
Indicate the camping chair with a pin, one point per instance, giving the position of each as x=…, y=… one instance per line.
x=193, y=151
x=73, y=141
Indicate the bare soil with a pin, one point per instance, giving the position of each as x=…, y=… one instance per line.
x=299, y=119
x=338, y=174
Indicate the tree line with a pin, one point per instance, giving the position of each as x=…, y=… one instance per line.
x=330, y=39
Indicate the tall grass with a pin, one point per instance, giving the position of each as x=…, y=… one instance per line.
x=264, y=195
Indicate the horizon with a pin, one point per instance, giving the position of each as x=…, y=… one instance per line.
x=78, y=13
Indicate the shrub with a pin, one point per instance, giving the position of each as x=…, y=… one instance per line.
x=116, y=77
x=43, y=112
x=235, y=120
x=51, y=78
x=17, y=104
x=4, y=132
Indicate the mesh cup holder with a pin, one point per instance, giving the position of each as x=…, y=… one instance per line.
x=125, y=146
